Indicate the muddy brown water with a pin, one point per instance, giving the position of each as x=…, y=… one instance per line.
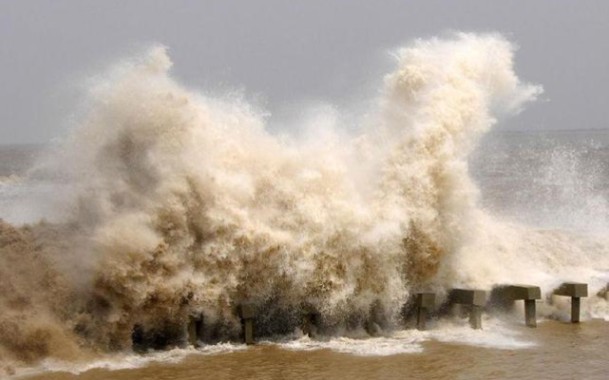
x=562, y=351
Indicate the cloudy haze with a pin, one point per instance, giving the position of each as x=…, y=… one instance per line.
x=285, y=55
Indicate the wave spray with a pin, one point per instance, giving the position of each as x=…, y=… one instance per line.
x=168, y=202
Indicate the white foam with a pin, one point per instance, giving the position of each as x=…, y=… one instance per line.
x=496, y=334
x=379, y=346
x=121, y=361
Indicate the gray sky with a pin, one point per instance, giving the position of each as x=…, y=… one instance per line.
x=286, y=53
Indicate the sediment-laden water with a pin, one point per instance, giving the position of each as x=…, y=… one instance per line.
x=559, y=350
x=164, y=202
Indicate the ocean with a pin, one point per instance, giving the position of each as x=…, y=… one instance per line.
x=165, y=203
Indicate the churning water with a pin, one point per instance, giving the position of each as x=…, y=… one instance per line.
x=164, y=202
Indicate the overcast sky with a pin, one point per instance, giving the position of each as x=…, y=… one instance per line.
x=284, y=54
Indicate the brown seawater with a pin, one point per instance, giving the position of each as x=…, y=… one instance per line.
x=561, y=351
x=164, y=203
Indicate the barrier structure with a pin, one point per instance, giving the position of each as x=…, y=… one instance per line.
x=425, y=303
x=311, y=321
x=195, y=329
x=247, y=313
x=575, y=290
x=506, y=295
x=475, y=299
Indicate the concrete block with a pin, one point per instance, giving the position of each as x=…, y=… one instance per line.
x=474, y=299
x=426, y=300
x=475, y=317
x=467, y=297
x=247, y=311
x=138, y=338
x=421, y=318
x=530, y=313
x=518, y=292
x=248, y=331
x=575, y=309
x=195, y=329
x=311, y=322
x=503, y=296
x=377, y=319
x=572, y=289
x=575, y=290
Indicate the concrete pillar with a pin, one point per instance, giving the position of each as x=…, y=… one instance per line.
x=195, y=329
x=376, y=320
x=574, y=290
x=138, y=338
x=475, y=299
x=248, y=331
x=530, y=315
x=421, y=318
x=575, y=308
x=247, y=312
x=475, y=317
x=504, y=296
x=310, y=323
x=425, y=303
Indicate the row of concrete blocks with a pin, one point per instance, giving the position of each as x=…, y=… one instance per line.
x=246, y=313
x=502, y=297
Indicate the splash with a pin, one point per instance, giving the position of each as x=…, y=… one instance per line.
x=169, y=202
